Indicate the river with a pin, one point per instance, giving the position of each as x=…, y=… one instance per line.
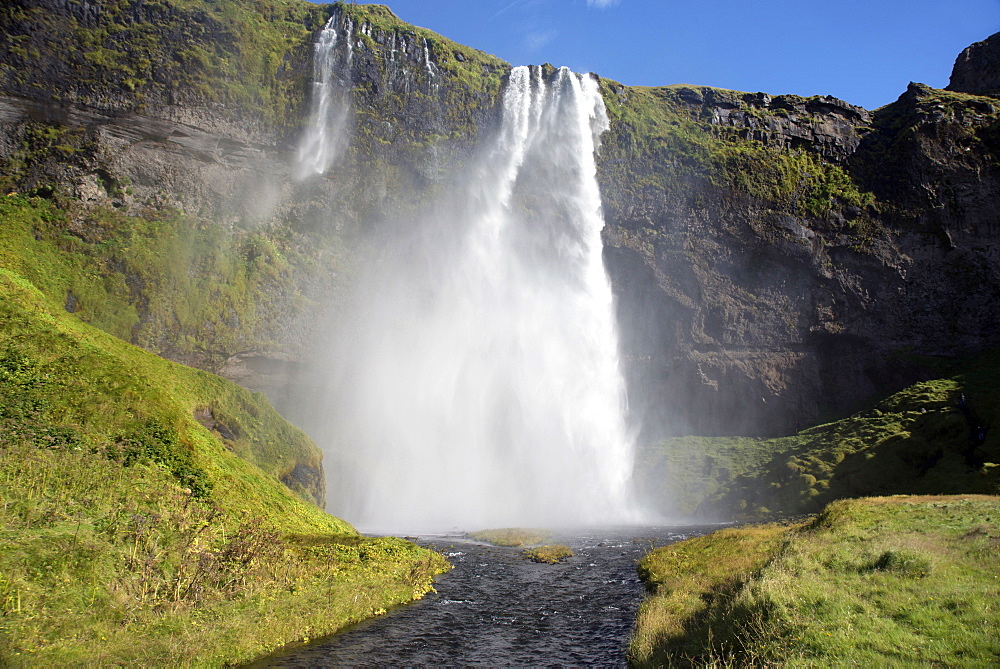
x=496, y=608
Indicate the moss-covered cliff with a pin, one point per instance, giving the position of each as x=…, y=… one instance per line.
x=166, y=133
x=774, y=256
x=778, y=260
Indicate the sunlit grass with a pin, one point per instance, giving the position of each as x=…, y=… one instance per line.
x=548, y=554
x=900, y=581
x=684, y=577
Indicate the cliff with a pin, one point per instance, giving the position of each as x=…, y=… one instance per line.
x=977, y=68
x=778, y=260
x=164, y=134
x=782, y=260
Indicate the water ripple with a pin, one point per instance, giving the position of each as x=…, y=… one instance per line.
x=495, y=608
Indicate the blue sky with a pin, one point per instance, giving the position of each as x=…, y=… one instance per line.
x=863, y=51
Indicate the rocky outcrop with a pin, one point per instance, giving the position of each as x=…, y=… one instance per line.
x=977, y=68
x=822, y=124
x=745, y=313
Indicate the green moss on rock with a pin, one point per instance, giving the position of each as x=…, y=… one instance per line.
x=915, y=441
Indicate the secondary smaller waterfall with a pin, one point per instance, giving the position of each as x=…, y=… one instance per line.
x=323, y=137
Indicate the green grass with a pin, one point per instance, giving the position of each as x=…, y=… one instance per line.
x=511, y=536
x=125, y=519
x=896, y=581
x=915, y=441
x=548, y=554
x=683, y=580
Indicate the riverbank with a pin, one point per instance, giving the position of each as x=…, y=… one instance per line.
x=495, y=607
x=869, y=582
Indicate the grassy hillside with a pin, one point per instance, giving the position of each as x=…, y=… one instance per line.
x=143, y=279
x=125, y=518
x=917, y=441
x=897, y=581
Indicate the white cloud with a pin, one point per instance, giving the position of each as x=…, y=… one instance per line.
x=535, y=40
x=602, y=4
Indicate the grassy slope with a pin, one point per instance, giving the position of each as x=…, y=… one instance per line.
x=193, y=282
x=916, y=441
x=899, y=581
x=124, y=518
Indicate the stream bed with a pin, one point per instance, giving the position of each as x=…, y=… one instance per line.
x=497, y=608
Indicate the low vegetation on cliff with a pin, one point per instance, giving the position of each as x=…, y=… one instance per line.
x=174, y=284
x=870, y=582
x=674, y=136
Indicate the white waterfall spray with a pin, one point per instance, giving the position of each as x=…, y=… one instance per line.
x=478, y=383
x=325, y=131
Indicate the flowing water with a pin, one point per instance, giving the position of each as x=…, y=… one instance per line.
x=497, y=609
x=326, y=130
x=475, y=382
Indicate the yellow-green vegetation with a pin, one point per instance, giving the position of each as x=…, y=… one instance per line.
x=548, y=554
x=916, y=441
x=511, y=536
x=673, y=144
x=133, y=54
x=684, y=578
x=165, y=281
x=892, y=581
x=132, y=533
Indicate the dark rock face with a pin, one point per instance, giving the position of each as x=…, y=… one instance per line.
x=741, y=315
x=825, y=125
x=977, y=69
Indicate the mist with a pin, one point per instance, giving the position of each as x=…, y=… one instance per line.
x=473, y=379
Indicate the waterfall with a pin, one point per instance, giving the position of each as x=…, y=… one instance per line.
x=324, y=133
x=477, y=383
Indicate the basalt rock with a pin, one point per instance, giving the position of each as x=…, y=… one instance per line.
x=977, y=68
x=744, y=313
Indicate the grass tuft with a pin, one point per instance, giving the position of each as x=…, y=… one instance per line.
x=548, y=554
x=511, y=536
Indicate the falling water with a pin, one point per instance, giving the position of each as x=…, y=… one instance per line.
x=476, y=383
x=325, y=130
